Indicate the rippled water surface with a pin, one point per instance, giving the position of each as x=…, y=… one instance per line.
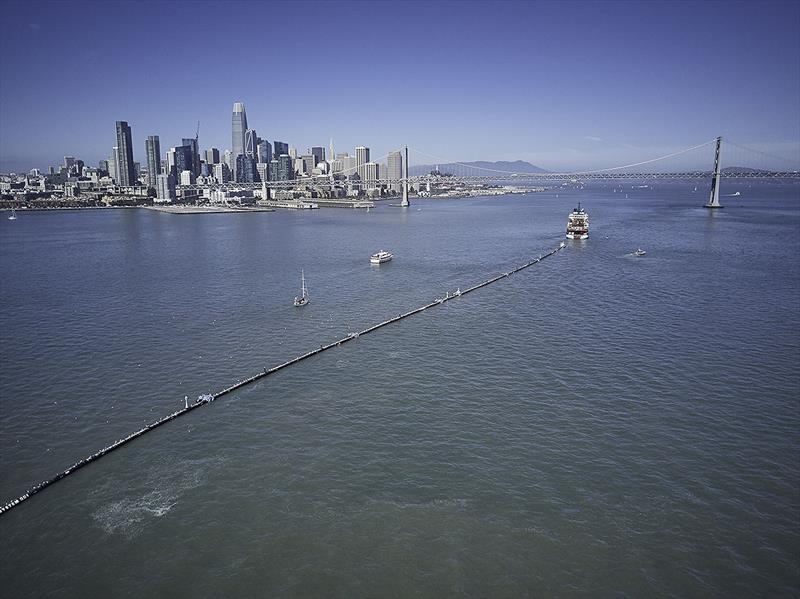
x=596, y=425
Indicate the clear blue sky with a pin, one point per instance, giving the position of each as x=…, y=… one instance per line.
x=562, y=84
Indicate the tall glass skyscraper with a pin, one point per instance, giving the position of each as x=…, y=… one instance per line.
x=127, y=176
x=239, y=126
x=152, y=147
x=280, y=148
x=192, y=143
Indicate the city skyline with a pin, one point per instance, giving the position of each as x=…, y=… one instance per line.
x=584, y=86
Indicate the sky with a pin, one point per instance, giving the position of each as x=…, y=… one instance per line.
x=564, y=85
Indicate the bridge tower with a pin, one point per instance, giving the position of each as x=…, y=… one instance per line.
x=405, y=203
x=713, y=200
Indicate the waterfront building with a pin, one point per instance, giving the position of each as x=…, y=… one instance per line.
x=336, y=166
x=280, y=147
x=318, y=153
x=124, y=156
x=245, y=169
x=238, y=129
x=152, y=146
x=264, y=151
x=165, y=188
x=293, y=153
x=212, y=156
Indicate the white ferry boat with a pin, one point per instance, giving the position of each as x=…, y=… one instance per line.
x=380, y=257
x=578, y=224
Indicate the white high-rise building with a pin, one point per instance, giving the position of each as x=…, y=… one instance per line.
x=370, y=174
x=292, y=152
x=165, y=187
x=187, y=178
x=222, y=173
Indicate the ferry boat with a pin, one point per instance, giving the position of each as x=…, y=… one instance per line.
x=578, y=224
x=380, y=257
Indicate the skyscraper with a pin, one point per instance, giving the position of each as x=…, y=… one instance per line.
x=245, y=169
x=165, y=187
x=125, y=155
x=362, y=157
x=251, y=143
x=280, y=147
x=318, y=153
x=395, y=169
x=179, y=159
x=152, y=147
x=112, y=164
x=264, y=151
x=239, y=126
x=195, y=164
x=212, y=156
x=285, y=168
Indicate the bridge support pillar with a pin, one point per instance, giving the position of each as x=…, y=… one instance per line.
x=405, y=203
x=713, y=200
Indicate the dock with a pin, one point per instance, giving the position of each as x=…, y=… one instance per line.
x=203, y=400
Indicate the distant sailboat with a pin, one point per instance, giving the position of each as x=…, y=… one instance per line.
x=303, y=299
x=13, y=215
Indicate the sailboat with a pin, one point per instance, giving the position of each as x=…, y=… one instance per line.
x=13, y=215
x=303, y=299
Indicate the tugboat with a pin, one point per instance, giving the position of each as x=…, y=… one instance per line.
x=578, y=224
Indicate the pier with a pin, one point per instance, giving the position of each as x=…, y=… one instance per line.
x=206, y=399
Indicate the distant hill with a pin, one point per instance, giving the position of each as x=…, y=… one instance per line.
x=517, y=166
x=744, y=169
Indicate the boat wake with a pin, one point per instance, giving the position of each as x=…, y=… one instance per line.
x=131, y=515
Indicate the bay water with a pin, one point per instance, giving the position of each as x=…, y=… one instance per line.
x=596, y=425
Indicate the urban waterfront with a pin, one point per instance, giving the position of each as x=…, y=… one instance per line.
x=597, y=424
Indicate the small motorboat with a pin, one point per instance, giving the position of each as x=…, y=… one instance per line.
x=639, y=252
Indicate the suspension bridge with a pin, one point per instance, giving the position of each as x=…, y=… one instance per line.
x=671, y=166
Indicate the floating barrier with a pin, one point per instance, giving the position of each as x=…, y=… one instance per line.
x=208, y=398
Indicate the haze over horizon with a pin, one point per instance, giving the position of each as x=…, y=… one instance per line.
x=566, y=86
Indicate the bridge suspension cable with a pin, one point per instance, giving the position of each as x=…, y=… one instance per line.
x=602, y=170
x=793, y=161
